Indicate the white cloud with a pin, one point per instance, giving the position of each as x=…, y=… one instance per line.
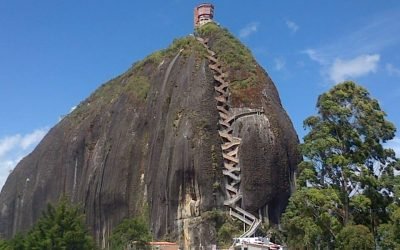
x=364, y=43
x=392, y=70
x=292, y=26
x=32, y=138
x=6, y=168
x=8, y=143
x=13, y=148
x=279, y=63
x=359, y=66
x=248, y=29
x=315, y=56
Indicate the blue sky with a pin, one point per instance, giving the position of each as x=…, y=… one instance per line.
x=53, y=54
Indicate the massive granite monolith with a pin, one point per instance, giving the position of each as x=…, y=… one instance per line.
x=147, y=142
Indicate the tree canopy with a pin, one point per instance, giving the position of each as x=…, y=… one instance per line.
x=131, y=231
x=60, y=227
x=346, y=180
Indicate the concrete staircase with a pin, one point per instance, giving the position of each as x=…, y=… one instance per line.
x=230, y=144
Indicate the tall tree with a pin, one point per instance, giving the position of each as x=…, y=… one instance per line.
x=60, y=227
x=343, y=152
x=345, y=143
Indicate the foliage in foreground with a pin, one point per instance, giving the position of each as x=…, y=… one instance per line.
x=389, y=233
x=308, y=219
x=131, y=231
x=226, y=227
x=355, y=237
x=60, y=227
x=346, y=182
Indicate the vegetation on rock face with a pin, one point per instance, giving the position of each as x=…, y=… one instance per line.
x=236, y=59
x=231, y=52
x=186, y=45
x=135, y=82
x=347, y=182
x=225, y=225
x=138, y=86
x=60, y=227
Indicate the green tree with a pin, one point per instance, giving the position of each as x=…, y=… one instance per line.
x=131, y=231
x=16, y=243
x=389, y=233
x=355, y=237
x=4, y=245
x=308, y=220
x=344, y=145
x=344, y=154
x=60, y=227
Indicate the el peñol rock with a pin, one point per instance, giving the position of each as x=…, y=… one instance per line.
x=148, y=143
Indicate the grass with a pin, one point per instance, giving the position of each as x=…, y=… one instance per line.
x=188, y=44
x=138, y=86
x=135, y=86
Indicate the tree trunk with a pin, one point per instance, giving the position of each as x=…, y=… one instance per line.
x=345, y=201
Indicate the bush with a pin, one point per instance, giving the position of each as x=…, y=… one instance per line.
x=133, y=231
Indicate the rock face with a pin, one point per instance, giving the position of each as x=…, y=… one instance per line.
x=147, y=142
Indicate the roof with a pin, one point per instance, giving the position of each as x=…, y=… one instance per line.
x=205, y=4
x=164, y=243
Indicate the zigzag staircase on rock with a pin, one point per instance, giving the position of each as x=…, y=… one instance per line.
x=231, y=144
